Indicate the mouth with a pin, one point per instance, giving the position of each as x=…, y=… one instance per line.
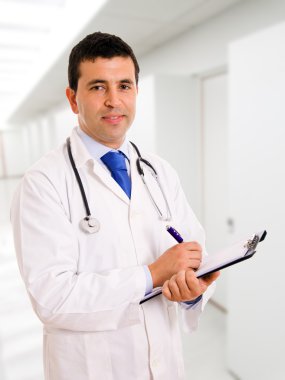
x=113, y=119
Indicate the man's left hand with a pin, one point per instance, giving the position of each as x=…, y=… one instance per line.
x=185, y=286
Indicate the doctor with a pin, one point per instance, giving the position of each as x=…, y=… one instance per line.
x=86, y=272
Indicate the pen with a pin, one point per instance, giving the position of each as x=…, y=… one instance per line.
x=174, y=234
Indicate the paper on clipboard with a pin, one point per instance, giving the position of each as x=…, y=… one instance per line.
x=232, y=255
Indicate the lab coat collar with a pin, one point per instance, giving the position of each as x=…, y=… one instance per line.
x=79, y=151
x=82, y=157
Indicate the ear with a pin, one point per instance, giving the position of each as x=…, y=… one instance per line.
x=71, y=96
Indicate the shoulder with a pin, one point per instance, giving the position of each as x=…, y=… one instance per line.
x=48, y=174
x=162, y=166
x=51, y=165
x=166, y=174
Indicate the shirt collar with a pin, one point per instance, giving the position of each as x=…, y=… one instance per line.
x=97, y=150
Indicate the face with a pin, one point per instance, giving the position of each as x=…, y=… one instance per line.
x=105, y=100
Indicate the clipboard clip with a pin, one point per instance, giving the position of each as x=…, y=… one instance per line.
x=252, y=243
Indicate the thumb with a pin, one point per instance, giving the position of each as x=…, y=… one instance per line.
x=207, y=280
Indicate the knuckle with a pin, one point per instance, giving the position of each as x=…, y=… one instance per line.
x=197, y=246
x=172, y=281
x=191, y=279
x=180, y=280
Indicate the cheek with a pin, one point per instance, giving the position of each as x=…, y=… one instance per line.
x=132, y=105
x=88, y=110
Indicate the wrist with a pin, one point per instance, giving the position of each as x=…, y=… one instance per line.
x=156, y=280
x=196, y=300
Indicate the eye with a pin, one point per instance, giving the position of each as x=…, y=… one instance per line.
x=98, y=87
x=125, y=86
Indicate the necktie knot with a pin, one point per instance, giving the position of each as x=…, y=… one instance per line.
x=116, y=163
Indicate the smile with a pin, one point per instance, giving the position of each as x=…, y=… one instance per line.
x=113, y=119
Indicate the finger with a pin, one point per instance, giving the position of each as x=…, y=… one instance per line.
x=165, y=291
x=194, y=263
x=184, y=290
x=194, y=255
x=192, y=246
x=174, y=289
x=194, y=260
x=193, y=283
x=208, y=279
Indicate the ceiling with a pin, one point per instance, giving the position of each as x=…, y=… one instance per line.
x=25, y=26
x=37, y=35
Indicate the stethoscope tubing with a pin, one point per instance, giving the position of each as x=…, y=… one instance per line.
x=83, y=194
x=141, y=173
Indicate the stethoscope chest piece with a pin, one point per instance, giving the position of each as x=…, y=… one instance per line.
x=90, y=225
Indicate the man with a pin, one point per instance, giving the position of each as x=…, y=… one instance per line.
x=86, y=278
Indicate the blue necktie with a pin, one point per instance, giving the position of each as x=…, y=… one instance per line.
x=116, y=163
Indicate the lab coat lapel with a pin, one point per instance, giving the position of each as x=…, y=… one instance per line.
x=109, y=182
x=82, y=158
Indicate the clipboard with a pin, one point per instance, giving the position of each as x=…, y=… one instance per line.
x=232, y=255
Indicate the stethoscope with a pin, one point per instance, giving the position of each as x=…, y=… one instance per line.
x=90, y=224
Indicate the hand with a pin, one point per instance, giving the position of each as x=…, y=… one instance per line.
x=185, y=286
x=179, y=257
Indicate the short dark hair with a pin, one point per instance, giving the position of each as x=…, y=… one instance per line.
x=97, y=45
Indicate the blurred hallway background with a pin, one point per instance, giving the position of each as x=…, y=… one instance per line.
x=213, y=82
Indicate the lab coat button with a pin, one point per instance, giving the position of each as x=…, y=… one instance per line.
x=155, y=362
x=134, y=213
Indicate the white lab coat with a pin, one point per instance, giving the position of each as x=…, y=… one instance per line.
x=86, y=288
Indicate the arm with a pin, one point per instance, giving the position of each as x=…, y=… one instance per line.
x=48, y=254
x=189, y=227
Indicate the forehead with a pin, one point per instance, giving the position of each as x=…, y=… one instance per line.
x=107, y=69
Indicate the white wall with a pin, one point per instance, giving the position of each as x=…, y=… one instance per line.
x=177, y=135
x=214, y=168
x=15, y=155
x=200, y=50
x=206, y=46
x=21, y=147
x=143, y=131
x=257, y=187
x=2, y=156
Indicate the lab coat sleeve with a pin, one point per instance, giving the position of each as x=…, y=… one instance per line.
x=191, y=230
x=48, y=253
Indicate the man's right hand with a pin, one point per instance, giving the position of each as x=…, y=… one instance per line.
x=179, y=257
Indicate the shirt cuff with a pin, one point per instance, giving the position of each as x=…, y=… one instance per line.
x=189, y=304
x=149, y=283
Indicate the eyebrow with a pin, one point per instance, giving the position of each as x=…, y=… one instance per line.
x=95, y=81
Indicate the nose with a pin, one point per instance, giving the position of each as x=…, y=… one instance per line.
x=112, y=99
